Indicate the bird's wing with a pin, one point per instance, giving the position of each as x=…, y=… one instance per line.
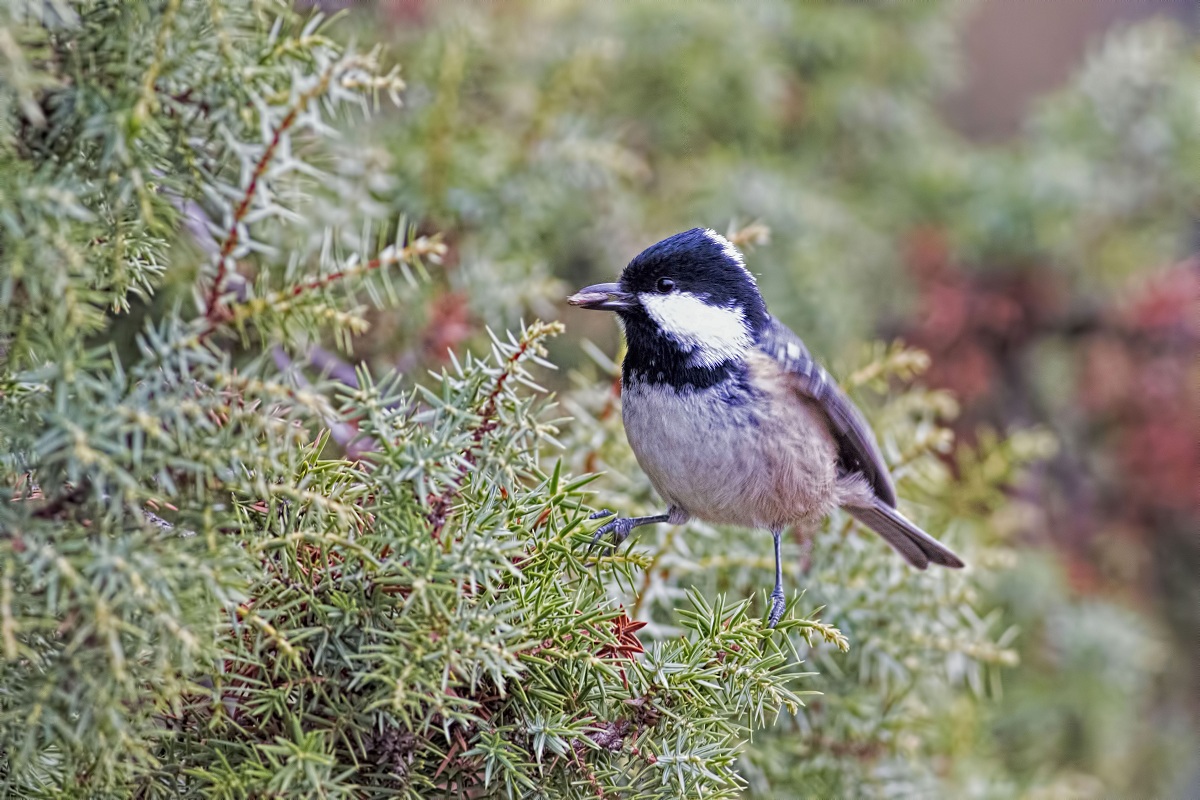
x=857, y=449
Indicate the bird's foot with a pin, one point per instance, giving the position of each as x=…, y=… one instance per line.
x=617, y=529
x=778, y=604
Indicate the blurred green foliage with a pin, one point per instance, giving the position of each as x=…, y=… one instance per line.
x=586, y=129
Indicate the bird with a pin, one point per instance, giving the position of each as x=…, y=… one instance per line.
x=730, y=416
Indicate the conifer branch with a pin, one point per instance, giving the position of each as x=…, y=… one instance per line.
x=529, y=344
x=351, y=73
x=212, y=303
x=423, y=247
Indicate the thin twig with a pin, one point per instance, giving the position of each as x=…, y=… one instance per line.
x=440, y=509
x=441, y=505
x=212, y=303
x=421, y=247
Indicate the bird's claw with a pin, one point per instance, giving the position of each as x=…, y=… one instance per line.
x=619, y=528
x=778, y=604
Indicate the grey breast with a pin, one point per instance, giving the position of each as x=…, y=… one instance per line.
x=755, y=462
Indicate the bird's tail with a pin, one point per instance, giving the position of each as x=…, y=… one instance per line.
x=917, y=546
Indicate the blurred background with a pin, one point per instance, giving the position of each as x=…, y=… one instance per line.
x=1012, y=187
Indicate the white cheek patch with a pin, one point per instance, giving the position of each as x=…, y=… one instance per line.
x=711, y=334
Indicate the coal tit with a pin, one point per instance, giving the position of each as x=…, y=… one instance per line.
x=729, y=414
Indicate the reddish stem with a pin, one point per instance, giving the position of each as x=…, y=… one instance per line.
x=441, y=505
x=212, y=304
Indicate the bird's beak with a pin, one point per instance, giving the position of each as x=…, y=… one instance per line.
x=603, y=297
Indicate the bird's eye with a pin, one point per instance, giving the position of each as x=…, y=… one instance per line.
x=665, y=285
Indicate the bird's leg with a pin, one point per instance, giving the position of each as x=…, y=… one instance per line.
x=777, y=601
x=620, y=527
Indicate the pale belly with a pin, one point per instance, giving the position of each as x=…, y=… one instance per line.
x=764, y=463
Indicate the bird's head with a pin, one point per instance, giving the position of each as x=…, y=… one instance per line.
x=689, y=297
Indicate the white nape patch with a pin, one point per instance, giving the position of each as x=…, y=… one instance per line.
x=730, y=251
x=711, y=334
